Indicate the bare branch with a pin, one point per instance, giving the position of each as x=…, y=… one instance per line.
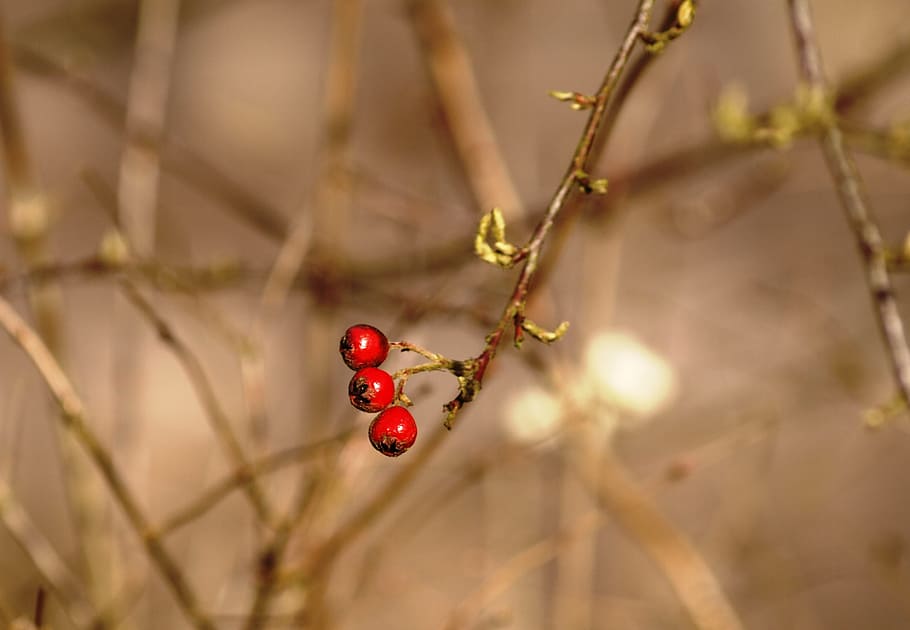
x=690, y=576
x=220, y=422
x=460, y=99
x=849, y=188
x=74, y=420
x=53, y=570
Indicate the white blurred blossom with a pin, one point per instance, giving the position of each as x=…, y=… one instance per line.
x=533, y=416
x=622, y=372
x=620, y=380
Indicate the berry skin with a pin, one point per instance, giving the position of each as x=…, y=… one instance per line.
x=393, y=431
x=371, y=389
x=363, y=346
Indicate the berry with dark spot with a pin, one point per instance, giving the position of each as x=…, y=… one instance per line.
x=363, y=346
x=371, y=389
x=393, y=431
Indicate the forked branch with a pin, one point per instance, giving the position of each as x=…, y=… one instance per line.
x=849, y=188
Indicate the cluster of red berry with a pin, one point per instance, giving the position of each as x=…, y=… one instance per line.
x=363, y=348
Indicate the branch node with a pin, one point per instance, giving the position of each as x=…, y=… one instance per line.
x=590, y=186
x=577, y=101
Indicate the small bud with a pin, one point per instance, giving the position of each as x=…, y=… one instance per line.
x=732, y=120
x=28, y=216
x=577, y=100
x=113, y=250
x=541, y=334
x=685, y=13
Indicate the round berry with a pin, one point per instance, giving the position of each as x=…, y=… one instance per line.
x=371, y=389
x=363, y=346
x=393, y=431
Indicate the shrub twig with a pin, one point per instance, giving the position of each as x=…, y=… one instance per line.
x=205, y=391
x=75, y=420
x=691, y=578
x=459, y=96
x=576, y=176
x=50, y=566
x=849, y=188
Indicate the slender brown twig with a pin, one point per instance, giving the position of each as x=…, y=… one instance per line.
x=136, y=210
x=849, y=188
x=459, y=96
x=150, y=80
x=241, y=477
x=74, y=420
x=51, y=567
x=218, y=417
x=326, y=214
x=575, y=177
x=691, y=578
x=519, y=565
x=178, y=159
x=30, y=222
x=319, y=562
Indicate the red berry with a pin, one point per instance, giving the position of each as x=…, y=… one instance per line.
x=393, y=431
x=371, y=389
x=363, y=346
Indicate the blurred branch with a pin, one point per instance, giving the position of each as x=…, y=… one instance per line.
x=136, y=210
x=864, y=84
x=888, y=144
x=29, y=223
x=631, y=77
x=178, y=160
x=325, y=214
x=851, y=94
x=74, y=420
x=54, y=572
x=241, y=477
x=145, y=115
x=689, y=575
x=460, y=99
x=221, y=424
x=849, y=188
x=518, y=566
x=320, y=561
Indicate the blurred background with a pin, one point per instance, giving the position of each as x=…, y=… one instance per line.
x=719, y=390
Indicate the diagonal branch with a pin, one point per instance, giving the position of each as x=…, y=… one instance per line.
x=205, y=391
x=459, y=97
x=74, y=419
x=574, y=177
x=849, y=188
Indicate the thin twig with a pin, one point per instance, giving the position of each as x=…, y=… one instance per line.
x=220, y=422
x=75, y=420
x=178, y=159
x=339, y=107
x=136, y=210
x=241, y=477
x=574, y=177
x=29, y=220
x=146, y=108
x=321, y=560
x=687, y=572
x=519, y=565
x=331, y=198
x=849, y=188
x=459, y=96
x=53, y=570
